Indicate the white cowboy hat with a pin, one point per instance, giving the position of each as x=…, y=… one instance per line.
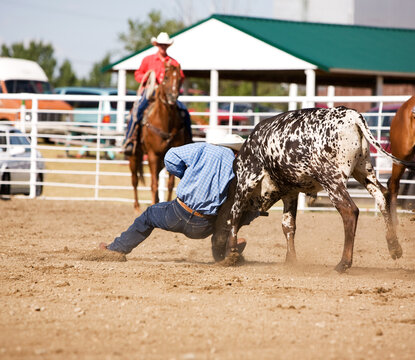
x=162, y=38
x=232, y=141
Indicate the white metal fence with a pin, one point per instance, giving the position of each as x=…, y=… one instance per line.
x=84, y=160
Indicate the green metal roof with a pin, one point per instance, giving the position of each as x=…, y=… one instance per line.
x=329, y=46
x=334, y=46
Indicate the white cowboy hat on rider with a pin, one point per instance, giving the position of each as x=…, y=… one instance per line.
x=162, y=39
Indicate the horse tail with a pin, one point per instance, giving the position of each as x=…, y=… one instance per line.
x=364, y=128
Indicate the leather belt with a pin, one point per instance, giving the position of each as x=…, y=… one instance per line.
x=184, y=206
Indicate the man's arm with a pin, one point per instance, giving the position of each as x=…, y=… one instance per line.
x=141, y=71
x=174, y=163
x=178, y=159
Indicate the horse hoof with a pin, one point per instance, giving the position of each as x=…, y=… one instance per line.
x=395, y=251
x=342, y=267
x=290, y=259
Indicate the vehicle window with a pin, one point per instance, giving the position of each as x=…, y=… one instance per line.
x=3, y=142
x=128, y=105
x=28, y=86
x=18, y=139
x=89, y=104
x=82, y=104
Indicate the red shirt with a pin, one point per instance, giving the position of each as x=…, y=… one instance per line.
x=154, y=62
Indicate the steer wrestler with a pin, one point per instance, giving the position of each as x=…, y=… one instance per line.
x=205, y=172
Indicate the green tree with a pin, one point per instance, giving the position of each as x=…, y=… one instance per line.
x=36, y=51
x=66, y=76
x=96, y=76
x=139, y=34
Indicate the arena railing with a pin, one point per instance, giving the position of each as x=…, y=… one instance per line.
x=65, y=144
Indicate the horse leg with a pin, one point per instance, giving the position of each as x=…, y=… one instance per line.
x=170, y=186
x=134, y=181
x=153, y=162
x=393, y=187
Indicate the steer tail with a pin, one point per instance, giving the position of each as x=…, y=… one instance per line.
x=364, y=128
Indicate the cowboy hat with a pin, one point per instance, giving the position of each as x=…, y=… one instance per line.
x=232, y=141
x=162, y=38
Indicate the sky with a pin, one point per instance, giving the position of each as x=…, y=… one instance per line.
x=84, y=31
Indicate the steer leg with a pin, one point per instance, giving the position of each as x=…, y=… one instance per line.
x=243, y=191
x=349, y=212
x=365, y=175
x=288, y=226
x=222, y=228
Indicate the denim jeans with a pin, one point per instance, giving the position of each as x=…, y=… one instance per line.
x=142, y=105
x=167, y=216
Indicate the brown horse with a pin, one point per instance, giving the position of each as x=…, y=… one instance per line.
x=161, y=129
x=402, y=140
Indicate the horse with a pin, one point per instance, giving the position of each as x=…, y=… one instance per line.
x=161, y=129
x=402, y=141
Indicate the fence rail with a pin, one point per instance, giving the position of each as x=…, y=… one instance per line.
x=85, y=159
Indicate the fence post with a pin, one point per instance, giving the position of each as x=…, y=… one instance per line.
x=23, y=117
x=33, y=149
x=310, y=86
x=98, y=154
x=230, y=123
x=162, y=185
x=293, y=92
x=331, y=92
x=213, y=108
x=121, y=103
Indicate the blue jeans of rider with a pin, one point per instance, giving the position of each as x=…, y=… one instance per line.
x=142, y=105
x=167, y=216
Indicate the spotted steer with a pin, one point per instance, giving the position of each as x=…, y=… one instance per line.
x=304, y=151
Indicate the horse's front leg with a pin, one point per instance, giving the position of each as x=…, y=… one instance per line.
x=393, y=187
x=170, y=186
x=153, y=163
x=134, y=182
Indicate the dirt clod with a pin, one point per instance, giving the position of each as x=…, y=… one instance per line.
x=102, y=255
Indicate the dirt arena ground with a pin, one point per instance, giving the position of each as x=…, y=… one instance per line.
x=169, y=300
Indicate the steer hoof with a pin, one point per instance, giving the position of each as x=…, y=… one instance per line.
x=395, y=250
x=218, y=252
x=342, y=266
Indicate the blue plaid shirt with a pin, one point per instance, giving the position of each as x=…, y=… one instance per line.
x=205, y=171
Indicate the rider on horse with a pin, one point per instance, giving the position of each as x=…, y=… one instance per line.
x=155, y=63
